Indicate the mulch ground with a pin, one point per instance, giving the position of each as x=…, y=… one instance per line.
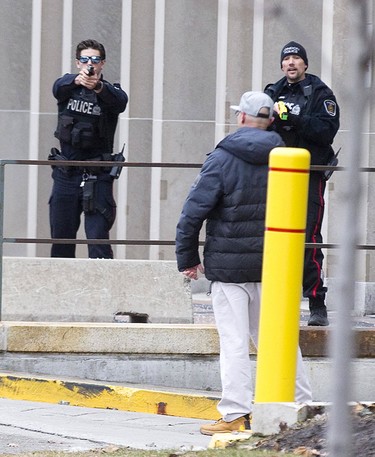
x=310, y=437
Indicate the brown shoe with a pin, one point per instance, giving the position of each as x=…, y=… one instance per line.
x=238, y=425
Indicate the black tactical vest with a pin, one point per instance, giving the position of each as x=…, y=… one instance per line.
x=81, y=121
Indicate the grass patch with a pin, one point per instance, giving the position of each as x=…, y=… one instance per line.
x=114, y=451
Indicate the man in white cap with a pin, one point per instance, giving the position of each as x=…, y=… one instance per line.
x=230, y=195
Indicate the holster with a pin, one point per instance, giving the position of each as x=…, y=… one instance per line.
x=332, y=163
x=55, y=154
x=89, y=194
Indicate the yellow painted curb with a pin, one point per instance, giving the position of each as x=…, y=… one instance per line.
x=97, y=395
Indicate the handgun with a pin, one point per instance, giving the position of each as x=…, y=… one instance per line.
x=91, y=70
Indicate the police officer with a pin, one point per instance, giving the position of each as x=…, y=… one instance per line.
x=307, y=116
x=88, y=110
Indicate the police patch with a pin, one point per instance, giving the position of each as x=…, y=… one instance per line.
x=330, y=107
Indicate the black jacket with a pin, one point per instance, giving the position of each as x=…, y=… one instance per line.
x=86, y=120
x=230, y=193
x=318, y=122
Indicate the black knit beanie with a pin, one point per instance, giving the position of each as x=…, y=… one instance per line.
x=294, y=48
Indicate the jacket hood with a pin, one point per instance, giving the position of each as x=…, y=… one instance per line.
x=251, y=144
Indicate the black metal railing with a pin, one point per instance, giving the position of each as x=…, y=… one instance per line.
x=139, y=242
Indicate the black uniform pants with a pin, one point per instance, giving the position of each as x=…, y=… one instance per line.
x=66, y=208
x=313, y=287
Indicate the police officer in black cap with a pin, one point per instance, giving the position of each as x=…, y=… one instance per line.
x=88, y=110
x=307, y=116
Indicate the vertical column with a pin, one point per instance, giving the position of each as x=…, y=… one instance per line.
x=157, y=125
x=327, y=41
x=326, y=75
x=221, y=69
x=122, y=183
x=66, y=63
x=258, y=26
x=34, y=123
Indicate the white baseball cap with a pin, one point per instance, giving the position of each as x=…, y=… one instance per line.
x=252, y=102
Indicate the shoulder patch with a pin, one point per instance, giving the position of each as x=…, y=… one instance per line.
x=330, y=107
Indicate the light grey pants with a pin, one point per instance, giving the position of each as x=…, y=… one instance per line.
x=236, y=309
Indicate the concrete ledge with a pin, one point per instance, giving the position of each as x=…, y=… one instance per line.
x=93, y=290
x=185, y=339
x=314, y=341
x=108, y=338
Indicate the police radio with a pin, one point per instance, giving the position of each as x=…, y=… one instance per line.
x=119, y=157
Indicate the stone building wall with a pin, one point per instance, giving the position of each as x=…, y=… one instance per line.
x=182, y=63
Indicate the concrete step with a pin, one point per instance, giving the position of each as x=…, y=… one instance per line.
x=177, y=349
x=179, y=356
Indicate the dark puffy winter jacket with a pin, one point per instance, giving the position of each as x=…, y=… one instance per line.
x=230, y=193
x=318, y=122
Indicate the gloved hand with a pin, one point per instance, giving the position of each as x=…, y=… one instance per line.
x=283, y=111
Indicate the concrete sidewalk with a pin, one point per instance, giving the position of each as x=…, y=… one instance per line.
x=30, y=426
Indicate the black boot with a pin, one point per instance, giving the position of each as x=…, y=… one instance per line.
x=318, y=313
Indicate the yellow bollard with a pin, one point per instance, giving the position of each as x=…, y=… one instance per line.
x=282, y=274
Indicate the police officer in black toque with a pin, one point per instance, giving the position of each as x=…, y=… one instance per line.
x=307, y=116
x=88, y=110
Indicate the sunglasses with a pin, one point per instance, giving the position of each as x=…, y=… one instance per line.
x=94, y=59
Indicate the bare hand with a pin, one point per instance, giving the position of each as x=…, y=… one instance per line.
x=192, y=272
x=85, y=80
